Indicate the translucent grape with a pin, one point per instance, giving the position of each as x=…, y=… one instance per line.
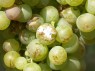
x=63, y=22
x=13, y=12
x=86, y=22
x=10, y=57
x=55, y=67
x=31, y=2
x=45, y=67
x=57, y=55
x=20, y=63
x=26, y=36
x=34, y=23
x=70, y=14
x=80, y=53
x=6, y=3
x=32, y=67
x=72, y=45
x=26, y=13
x=88, y=35
x=4, y=21
x=64, y=33
x=36, y=50
x=74, y=2
x=50, y=13
x=72, y=65
x=90, y=6
x=10, y=45
x=46, y=33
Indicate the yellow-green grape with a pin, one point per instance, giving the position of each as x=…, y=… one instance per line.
x=6, y=3
x=63, y=22
x=46, y=34
x=74, y=2
x=90, y=6
x=45, y=67
x=11, y=45
x=80, y=53
x=72, y=45
x=20, y=63
x=86, y=41
x=36, y=50
x=50, y=13
x=13, y=12
x=26, y=36
x=34, y=23
x=57, y=55
x=62, y=2
x=86, y=22
x=55, y=67
x=64, y=33
x=4, y=21
x=26, y=13
x=32, y=67
x=88, y=35
x=10, y=57
x=72, y=65
x=70, y=14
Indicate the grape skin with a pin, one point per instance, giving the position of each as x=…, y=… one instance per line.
x=4, y=21
x=55, y=57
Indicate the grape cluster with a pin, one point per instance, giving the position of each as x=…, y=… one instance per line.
x=46, y=35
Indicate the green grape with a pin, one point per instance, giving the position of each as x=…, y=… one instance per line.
x=63, y=22
x=45, y=67
x=13, y=12
x=50, y=13
x=10, y=57
x=20, y=63
x=90, y=6
x=46, y=34
x=72, y=65
x=55, y=67
x=36, y=50
x=26, y=36
x=31, y=2
x=26, y=13
x=88, y=35
x=57, y=55
x=86, y=41
x=86, y=22
x=80, y=53
x=4, y=21
x=72, y=45
x=70, y=14
x=6, y=3
x=64, y=33
x=11, y=45
x=32, y=67
x=74, y=2
x=42, y=3
x=34, y=23
x=62, y=2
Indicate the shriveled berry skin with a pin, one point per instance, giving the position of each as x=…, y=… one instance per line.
x=46, y=33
